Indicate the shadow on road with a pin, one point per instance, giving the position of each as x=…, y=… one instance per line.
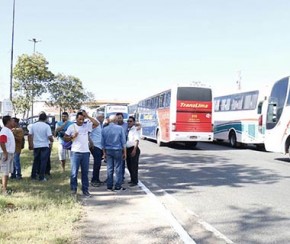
x=202, y=170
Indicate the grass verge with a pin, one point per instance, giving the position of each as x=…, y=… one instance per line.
x=39, y=212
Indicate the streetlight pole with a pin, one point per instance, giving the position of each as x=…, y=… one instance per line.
x=12, y=49
x=34, y=42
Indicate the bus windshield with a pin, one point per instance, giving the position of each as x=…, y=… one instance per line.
x=194, y=94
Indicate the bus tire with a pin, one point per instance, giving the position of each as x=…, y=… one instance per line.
x=233, y=139
x=159, y=142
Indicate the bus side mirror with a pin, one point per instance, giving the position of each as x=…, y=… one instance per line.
x=272, y=109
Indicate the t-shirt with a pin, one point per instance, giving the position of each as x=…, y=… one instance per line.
x=7, y=137
x=40, y=131
x=81, y=142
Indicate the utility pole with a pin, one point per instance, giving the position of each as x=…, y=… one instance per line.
x=34, y=43
x=12, y=49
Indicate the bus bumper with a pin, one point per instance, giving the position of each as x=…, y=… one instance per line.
x=186, y=137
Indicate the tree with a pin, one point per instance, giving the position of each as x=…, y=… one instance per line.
x=20, y=105
x=66, y=92
x=30, y=77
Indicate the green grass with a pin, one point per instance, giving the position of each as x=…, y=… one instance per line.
x=39, y=212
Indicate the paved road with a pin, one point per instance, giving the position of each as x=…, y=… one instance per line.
x=241, y=193
x=211, y=194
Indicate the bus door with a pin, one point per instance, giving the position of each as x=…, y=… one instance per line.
x=277, y=118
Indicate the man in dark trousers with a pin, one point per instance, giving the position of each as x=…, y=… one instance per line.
x=133, y=151
x=39, y=138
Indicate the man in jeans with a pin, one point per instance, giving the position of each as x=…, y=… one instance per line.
x=114, y=149
x=19, y=137
x=39, y=137
x=97, y=150
x=78, y=133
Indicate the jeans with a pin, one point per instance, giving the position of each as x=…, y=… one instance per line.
x=97, y=154
x=39, y=162
x=114, y=161
x=79, y=159
x=123, y=170
x=16, y=166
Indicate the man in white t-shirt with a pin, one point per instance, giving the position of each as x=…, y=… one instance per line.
x=39, y=139
x=78, y=133
x=7, y=144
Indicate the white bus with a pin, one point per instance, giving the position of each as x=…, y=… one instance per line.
x=277, y=135
x=109, y=109
x=238, y=118
x=180, y=114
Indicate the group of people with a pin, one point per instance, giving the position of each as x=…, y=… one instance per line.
x=114, y=141
x=111, y=139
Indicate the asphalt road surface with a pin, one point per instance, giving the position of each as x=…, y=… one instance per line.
x=240, y=195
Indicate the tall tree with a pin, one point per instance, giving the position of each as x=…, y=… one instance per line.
x=31, y=74
x=20, y=105
x=66, y=92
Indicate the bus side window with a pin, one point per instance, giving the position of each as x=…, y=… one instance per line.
x=217, y=105
x=161, y=101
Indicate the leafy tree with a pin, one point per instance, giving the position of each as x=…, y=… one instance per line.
x=66, y=92
x=30, y=77
x=20, y=105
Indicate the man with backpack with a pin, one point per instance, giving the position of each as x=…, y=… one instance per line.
x=60, y=129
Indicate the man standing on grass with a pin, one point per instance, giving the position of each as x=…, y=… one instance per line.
x=78, y=133
x=60, y=129
x=7, y=144
x=19, y=137
x=39, y=137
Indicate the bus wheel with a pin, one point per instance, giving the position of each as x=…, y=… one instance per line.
x=191, y=144
x=289, y=151
x=233, y=139
x=159, y=142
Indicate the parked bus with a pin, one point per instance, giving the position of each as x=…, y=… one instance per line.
x=238, y=118
x=277, y=135
x=180, y=114
x=109, y=109
x=133, y=110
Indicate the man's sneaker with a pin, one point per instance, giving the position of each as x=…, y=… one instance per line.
x=43, y=180
x=87, y=194
x=120, y=189
x=73, y=192
x=110, y=189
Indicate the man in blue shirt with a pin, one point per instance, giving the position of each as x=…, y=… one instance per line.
x=97, y=150
x=60, y=129
x=114, y=149
x=124, y=125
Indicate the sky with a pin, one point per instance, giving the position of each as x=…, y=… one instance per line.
x=130, y=49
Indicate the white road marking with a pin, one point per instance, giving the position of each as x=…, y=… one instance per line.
x=185, y=237
x=206, y=225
